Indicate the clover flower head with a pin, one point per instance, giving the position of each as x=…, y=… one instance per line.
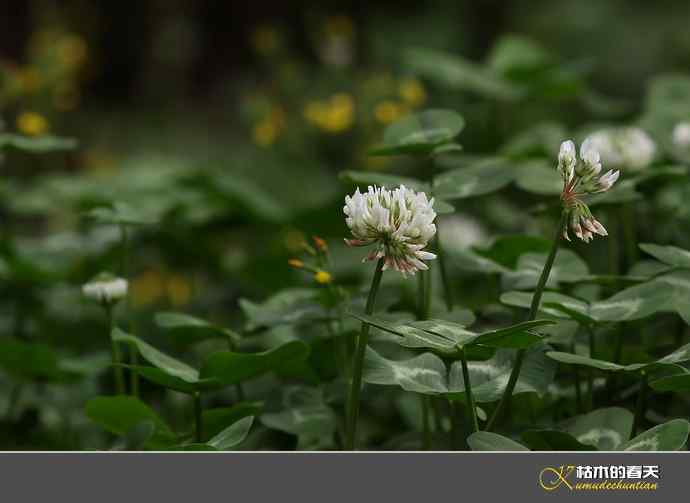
x=627, y=148
x=583, y=179
x=105, y=289
x=399, y=223
x=681, y=135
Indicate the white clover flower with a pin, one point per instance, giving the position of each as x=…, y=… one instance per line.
x=628, y=148
x=681, y=135
x=585, y=180
x=399, y=223
x=105, y=289
x=567, y=160
x=589, y=154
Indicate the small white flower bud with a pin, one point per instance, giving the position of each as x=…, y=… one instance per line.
x=567, y=160
x=681, y=135
x=590, y=158
x=105, y=289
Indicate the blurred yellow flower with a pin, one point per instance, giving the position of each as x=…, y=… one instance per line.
x=333, y=116
x=179, y=290
x=323, y=277
x=412, y=92
x=388, y=111
x=72, y=50
x=265, y=133
x=147, y=288
x=267, y=130
x=32, y=123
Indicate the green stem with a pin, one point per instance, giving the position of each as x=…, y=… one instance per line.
x=239, y=389
x=197, y=416
x=641, y=405
x=133, y=376
x=445, y=282
x=534, y=309
x=426, y=426
x=115, y=354
x=124, y=267
x=590, y=372
x=360, y=350
x=468, y=390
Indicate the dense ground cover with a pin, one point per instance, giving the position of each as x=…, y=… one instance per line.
x=526, y=274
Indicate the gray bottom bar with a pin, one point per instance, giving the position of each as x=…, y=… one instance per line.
x=334, y=477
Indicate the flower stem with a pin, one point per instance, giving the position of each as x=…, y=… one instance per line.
x=360, y=350
x=468, y=390
x=447, y=291
x=197, y=416
x=115, y=354
x=641, y=405
x=124, y=265
x=534, y=309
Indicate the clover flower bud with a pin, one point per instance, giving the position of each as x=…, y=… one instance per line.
x=567, y=160
x=607, y=180
x=591, y=165
x=681, y=135
x=399, y=223
x=105, y=289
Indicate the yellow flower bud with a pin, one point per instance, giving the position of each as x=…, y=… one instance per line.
x=32, y=124
x=323, y=277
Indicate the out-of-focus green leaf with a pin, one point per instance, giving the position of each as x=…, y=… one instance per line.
x=456, y=73
x=289, y=306
x=36, y=144
x=478, y=179
x=671, y=255
x=190, y=328
x=488, y=441
x=217, y=419
x=680, y=355
x=553, y=440
x=670, y=436
x=420, y=133
x=231, y=368
x=367, y=178
x=605, y=429
x=120, y=414
x=120, y=213
x=233, y=435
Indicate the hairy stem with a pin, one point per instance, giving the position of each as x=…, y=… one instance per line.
x=115, y=353
x=468, y=390
x=360, y=350
x=534, y=309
